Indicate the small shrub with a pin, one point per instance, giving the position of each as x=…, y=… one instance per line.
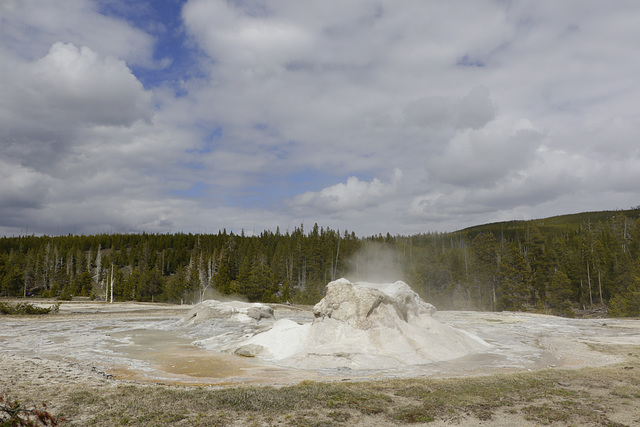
x=6, y=308
x=25, y=308
x=65, y=295
x=411, y=414
x=12, y=413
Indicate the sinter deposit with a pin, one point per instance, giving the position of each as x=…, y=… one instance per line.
x=356, y=326
x=225, y=324
x=233, y=311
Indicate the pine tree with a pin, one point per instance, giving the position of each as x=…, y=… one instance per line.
x=514, y=277
x=485, y=261
x=540, y=265
x=560, y=294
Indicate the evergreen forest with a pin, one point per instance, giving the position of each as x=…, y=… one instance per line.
x=566, y=265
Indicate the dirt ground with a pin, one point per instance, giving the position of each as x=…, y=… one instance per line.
x=99, y=348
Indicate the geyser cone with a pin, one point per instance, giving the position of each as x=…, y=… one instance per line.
x=366, y=326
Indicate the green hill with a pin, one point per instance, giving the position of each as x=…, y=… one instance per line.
x=554, y=224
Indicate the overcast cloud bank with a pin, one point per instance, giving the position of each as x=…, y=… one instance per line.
x=400, y=117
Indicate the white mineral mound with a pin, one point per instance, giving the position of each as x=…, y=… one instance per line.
x=234, y=311
x=363, y=326
x=225, y=324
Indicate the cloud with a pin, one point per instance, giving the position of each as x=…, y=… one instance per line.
x=354, y=195
x=552, y=176
x=76, y=138
x=472, y=111
x=284, y=111
x=477, y=158
x=243, y=38
x=22, y=188
x=75, y=84
x=44, y=103
x=30, y=27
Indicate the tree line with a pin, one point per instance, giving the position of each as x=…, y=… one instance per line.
x=558, y=265
x=294, y=266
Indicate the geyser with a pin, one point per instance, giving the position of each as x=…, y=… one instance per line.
x=366, y=326
x=359, y=326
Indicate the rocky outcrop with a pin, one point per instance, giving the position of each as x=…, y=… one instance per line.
x=259, y=312
x=228, y=311
x=249, y=350
x=222, y=326
x=355, y=304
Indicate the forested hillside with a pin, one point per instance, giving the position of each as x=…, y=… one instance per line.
x=556, y=265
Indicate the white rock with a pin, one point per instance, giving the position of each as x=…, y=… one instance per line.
x=249, y=350
x=230, y=311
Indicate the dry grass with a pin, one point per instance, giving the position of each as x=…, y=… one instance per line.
x=606, y=396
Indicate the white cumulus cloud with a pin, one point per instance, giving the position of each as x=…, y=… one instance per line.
x=477, y=158
x=355, y=194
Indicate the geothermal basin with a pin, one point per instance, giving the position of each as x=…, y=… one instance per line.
x=359, y=332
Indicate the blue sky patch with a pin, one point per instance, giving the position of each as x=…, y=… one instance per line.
x=173, y=55
x=466, y=61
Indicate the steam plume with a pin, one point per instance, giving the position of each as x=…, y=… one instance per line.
x=375, y=262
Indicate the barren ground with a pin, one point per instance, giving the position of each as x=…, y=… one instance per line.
x=89, y=358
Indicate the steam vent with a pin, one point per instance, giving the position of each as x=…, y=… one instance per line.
x=362, y=326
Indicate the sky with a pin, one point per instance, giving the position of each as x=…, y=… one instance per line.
x=401, y=117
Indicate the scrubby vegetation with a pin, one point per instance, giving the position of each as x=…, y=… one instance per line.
x=26, y=308
x=575, y=264
x=13, y=414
